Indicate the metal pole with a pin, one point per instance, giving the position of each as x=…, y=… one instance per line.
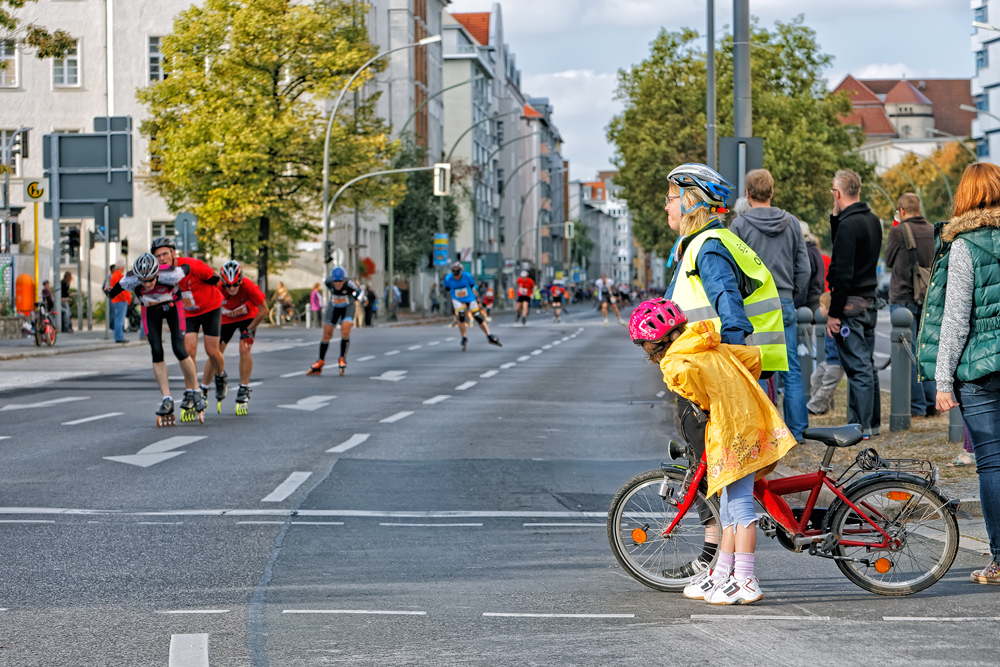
x=902, y=344
x=107, y=266
x=79, y=287
x=54, y=185
x=710, y=122
x=804, y=317
x=743, y=126
x=85, y=235
x=944, y=178
x=392, y=265
x=38, y=286
x=431, y=97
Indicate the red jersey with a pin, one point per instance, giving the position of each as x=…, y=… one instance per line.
x=525, y=286
x=242, y=305
x=488, y=297
x=557, y=291
x=199, y=297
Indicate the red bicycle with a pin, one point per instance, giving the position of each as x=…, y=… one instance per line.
x=889, y=529
x=45, y=330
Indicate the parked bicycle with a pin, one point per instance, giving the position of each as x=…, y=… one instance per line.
x=45, y=330
x=889, y=529
x=289, y=314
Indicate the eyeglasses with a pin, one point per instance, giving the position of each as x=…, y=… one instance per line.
x=147, y=281
x=669, y=197
x=834, y=190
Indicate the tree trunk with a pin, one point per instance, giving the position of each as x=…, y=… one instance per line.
x=263, y=237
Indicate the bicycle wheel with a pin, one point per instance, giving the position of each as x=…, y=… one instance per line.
x=924, y=532
x=637, y=519
x=50, y=335
x=272, y=315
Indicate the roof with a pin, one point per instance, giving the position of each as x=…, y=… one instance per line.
x=597, y=186
x=529, y=112
x=945, y=94
x=872, y=120
x=904, y=93
x=478, y=25
x=860, y=94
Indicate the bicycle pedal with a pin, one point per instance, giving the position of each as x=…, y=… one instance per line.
x=769, y=526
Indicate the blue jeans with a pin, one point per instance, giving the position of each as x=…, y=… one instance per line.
x=118, y=317
x=922, y=394
x=736, y=503
x=980, y=401
x=857, y=357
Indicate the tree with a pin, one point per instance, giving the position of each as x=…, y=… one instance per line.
x=663, y=124
x=237, y=130
x=952, y=159
x=581, y=245
x=416, y=217
x=46, y=44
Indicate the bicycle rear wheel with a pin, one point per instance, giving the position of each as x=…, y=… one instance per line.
x=923, y=528
x=637, y=519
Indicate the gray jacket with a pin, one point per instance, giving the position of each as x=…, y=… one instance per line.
x=776, y=237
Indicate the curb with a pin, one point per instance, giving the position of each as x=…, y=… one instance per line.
x=50, y=352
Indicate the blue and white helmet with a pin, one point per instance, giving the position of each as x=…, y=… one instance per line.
x=338, y=274
x=146, y=267
x=707, y=183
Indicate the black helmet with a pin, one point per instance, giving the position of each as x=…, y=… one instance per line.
x=146, y=267
x=711, y=187
x=162, y=242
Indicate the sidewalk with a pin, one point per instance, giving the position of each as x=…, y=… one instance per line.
x=66, y=343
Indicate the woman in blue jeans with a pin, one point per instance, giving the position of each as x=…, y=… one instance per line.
x=960, y=333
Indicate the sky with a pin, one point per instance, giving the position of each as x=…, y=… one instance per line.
x=571, y=50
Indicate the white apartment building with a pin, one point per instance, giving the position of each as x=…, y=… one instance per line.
x=986, y=83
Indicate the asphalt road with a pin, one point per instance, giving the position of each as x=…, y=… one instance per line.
x=459, y=519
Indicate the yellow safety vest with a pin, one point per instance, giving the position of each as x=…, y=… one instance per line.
x=763, y=306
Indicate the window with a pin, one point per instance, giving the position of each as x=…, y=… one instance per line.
x=982, y=14
x=982, y=147
x=66, y=71
x=8, y=56
x=5, y=137
x=982, y=102
x=156, y=70
x=982, y=59
x=499, y=131
x=500, y=180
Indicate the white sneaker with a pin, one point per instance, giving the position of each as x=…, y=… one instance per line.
x=736, y=592
x=605, y=321
x=701, y=586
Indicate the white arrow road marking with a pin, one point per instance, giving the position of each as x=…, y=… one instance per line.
x=414, y=347
x=437, y=399
x=92, y=419
x=188, y=651
x=524, y=358
x=509, y=364
x=489, y=374
x=390, y=376
x=286, y=488
x=466, y=385
x=353, y=441
x=368, y=358
x=157, y=452
x=296, y=373
x=310, y=403
x=43, y=404
x=396, y=417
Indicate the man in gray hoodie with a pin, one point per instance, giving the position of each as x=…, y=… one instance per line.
x=776, y=237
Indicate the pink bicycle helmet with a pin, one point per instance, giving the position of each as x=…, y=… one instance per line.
x=654, y=319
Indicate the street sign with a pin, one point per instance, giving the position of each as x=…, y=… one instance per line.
x=508, y=265
x=338, y=256
x=36, y=189
x=465, y=254
x=113, y=217
x=440, y=249
x=186, y=232
x=737, y=156
x=442, y=179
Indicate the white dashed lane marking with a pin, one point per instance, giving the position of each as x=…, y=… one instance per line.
x=391, y=352
x=434, y=525
x=535, y=353
x=195, y=611
x=286, y=488
x=466, y=385
x=188, y=651
x=754, y=617
x=433, y=342
x=489, y=374
x=354, y=611
x=509, y=364
x=546, y=347
x=513, y=615
x=396, y=417
x=295, y=374
x=368, y=358
x=92, y=419
x=353, y=441
x=310, y=403
x=43, y=404
x=524, y=358
x=414, y=347
x=450, y=338
x=437, y=399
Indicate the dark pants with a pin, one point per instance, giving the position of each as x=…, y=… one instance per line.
x=369, y=314
x=857, y=356
x=923, y=395
x=980, y=401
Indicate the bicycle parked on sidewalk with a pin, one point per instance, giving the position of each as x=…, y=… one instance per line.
x=889, y=529
x=45, y=329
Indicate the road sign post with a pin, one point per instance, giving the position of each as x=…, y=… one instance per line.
x=36, y=190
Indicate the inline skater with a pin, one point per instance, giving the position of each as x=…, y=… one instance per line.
x=488, y=298
x=463, y=298
x=202, y=302
x=608, y=294
x=158, y=291
x=525, y=286
x=242, y=311
x=558, y=293
x=342, y=293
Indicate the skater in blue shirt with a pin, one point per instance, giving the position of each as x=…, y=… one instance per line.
x=464, y=298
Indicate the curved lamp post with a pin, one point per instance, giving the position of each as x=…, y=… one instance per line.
x=958, y=140
x=520, y=218
x=424, y=103
x=947, y=185
x=896, y=171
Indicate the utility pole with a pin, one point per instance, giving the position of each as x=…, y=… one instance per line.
x=742, y=124
x=711, y=153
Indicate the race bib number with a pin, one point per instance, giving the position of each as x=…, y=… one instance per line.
x=340, y=301
x=522, y=291
x=462, y=292
x=242, y=310
x=189, y=303
x=613, y=300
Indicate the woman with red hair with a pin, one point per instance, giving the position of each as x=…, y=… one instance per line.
x=959, y=343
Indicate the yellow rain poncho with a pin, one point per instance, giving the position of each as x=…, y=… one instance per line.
x=744, y=433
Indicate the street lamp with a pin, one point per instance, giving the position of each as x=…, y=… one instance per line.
x=984, y=26
x=431, y=97
x=329, y=128
x=520, y=217
x=958, y=140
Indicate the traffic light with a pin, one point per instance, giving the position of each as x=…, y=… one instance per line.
x=442, y=179
x=328, y=252
x=69, y=242
x=124, y=250
x=14, y=230
x=569, y=230
x=21, y=144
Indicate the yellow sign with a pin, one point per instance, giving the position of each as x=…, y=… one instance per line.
x=36, y=189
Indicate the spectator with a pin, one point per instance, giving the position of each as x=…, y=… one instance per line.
x=435, y=303
x=776, y=237
x=960, y=340
x=48, y=300
x=67, y=315
x=392, y=304
x=817, y=272
x=316, y=305
x=370, y=304
x=910, y=245
x=857, y=244
x=828, y=373
x=282, y=295
x=119, y=304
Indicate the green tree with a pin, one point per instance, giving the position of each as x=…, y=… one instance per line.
x=416, y=217
x=581, y=245
x=952, y=159
x=663, y=123
x=237, y=131
x=46, y=44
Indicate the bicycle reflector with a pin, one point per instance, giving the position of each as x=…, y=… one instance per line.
x=882, y=565
x=900, y=496
x=639, y=535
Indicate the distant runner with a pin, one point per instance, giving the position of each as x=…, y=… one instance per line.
x=525, y=286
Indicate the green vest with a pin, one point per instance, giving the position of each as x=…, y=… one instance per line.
x=982, y=349
x=762, y=306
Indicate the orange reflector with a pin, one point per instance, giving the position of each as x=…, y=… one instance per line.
x=898, y=495
x=638, y=535
x=882, y=565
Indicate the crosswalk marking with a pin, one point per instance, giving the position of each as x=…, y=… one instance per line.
x=188, y=651
x=286, y=488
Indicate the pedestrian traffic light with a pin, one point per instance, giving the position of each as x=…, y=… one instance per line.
x=442, y=179
x=328, y=252
x=69, y=242
x=21, y=144
x=125, y=248
x=14, y=231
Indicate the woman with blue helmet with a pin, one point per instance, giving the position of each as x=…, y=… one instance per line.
x=343, y=293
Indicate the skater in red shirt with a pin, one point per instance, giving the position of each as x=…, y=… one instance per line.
x=241, y=311
x=558, y=294
x=525, y=286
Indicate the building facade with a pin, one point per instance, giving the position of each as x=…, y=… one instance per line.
x=985, y=91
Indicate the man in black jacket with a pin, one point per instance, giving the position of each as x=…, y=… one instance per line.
x=900, y=259
x=857, y=244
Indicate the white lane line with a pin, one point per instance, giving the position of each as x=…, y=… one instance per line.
x=390, y=376
x=25, y=521
x=524, y=358
x=5, y=437
x=556, y=342
x=489, y=374
x=286, y=488
x=466, y=385
x=564, y=338
x=4, y=609
x=309, y=403
x=755, y=617
x=391, y=352
x=258, y=523
x=317, y=523
x=194, y=611
x=414, y=347
x=403, y=414
x=535, y=353
x=260, y=512
x=257, y=384
x=449, y=339
x=159, y=523
x=378, y=612
x=367, y=358
x=506, y=615
x=574, y=525
x=433, y=342
x=295, y=374
x=509, y=364
x=942, y=619
x=432, y=524
x=546, y=347
x=437, y=399
x=92, y=419
x=353, y=441
x=188, y=651
x=43, y=404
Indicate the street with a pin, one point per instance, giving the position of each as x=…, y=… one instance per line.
x=431, y=507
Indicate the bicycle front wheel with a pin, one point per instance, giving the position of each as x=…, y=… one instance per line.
x=637, y=519
x=50, y=335
x=923, y=532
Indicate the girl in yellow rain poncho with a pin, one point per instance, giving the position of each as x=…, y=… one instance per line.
x=744, y=436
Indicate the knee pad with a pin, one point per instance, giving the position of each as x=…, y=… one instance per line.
x=479, y=317
x=461, y=316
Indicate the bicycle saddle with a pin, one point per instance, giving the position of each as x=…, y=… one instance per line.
x=838, y=436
